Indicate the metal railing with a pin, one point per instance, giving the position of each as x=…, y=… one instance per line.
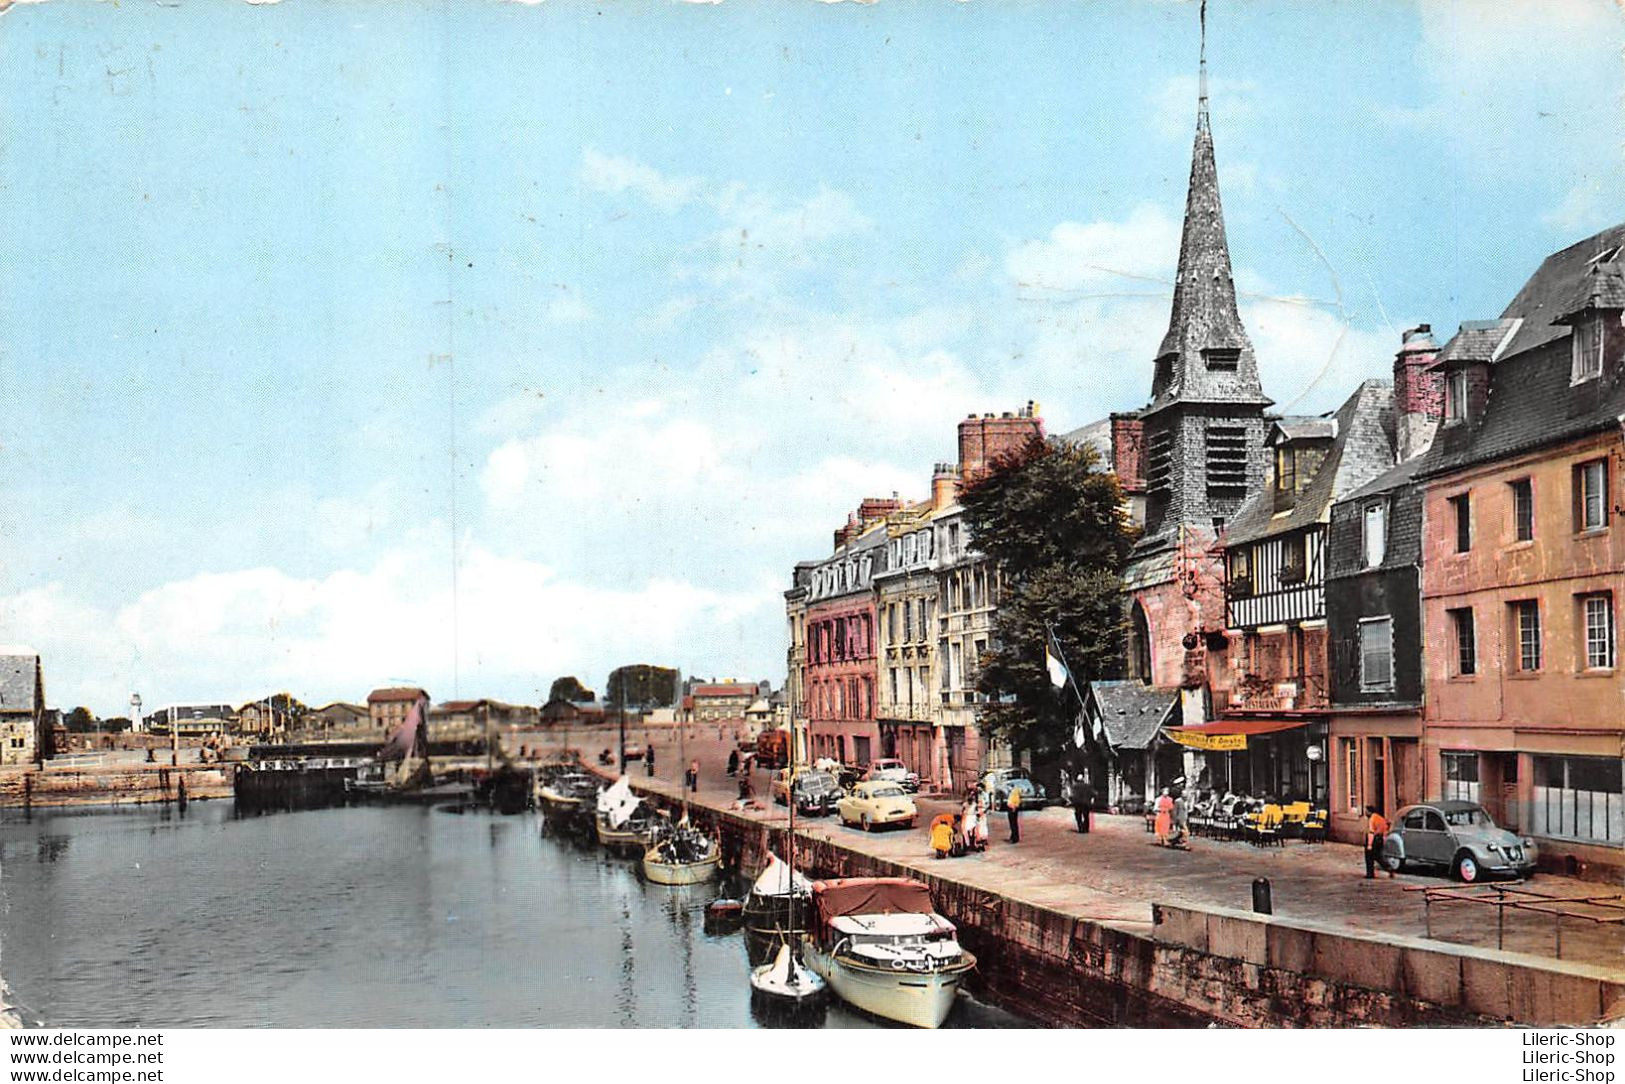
x=1605, y=911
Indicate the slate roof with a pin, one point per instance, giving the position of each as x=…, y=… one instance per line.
x=1601, y=287
x=1531, y=401
x=1478, y=340
x=1204, y=316
x=1362, y=449
x=1132, y=712
x=18, y=674
x=1323, y=427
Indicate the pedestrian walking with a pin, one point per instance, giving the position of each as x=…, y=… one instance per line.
x=942, y=836
x=1164, y=823
x=1012, y=806
x=692, y=776
x=1376, y=827
x=649, y=761
x=1083, y=801
x=733, y=761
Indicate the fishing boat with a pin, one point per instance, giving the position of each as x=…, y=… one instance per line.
x=682, y=855
x=623, y=822
x=881, y=947
x=567, y=799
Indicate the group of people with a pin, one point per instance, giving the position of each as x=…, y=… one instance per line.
x=955, y=834
x=1172, y=821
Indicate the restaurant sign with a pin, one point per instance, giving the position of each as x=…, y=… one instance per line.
x=1213, y=743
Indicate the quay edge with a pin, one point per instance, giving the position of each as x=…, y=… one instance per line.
x=1199, y=967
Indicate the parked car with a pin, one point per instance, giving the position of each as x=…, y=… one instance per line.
x=634, y=751
x=1007, y=779
x=875, y=802
x=890, y=768
x=1458, y=837
x=816, y=792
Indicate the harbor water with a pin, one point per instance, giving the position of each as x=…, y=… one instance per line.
x=358, y=917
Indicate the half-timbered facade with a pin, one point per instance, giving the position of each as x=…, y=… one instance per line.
x=1270, y=682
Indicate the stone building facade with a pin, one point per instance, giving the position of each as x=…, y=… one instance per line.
x=1524, y=558
x=25, y=736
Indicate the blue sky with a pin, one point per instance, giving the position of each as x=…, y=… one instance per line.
x=479, y=343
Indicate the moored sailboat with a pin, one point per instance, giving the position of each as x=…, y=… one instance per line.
x=623, y=822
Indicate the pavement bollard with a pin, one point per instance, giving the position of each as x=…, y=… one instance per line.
x=1262, y=904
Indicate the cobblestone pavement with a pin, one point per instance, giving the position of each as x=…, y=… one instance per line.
x=1115, y=873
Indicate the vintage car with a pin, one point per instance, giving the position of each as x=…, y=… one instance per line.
x=634, y=751
x=895, y=771
x=816, y=792
x=875, y=802
x=1002, y=781
x=1459, y=837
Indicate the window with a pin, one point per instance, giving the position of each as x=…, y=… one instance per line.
x=1466, y=642
x=1460, y=772
x=1461, y=507
x=1222, y=359
x=1376, y=654
x=1239, y=569
x=1526, y=624
x=1294, y=562
x=1587, y=340
x=1597, y=611
x=1579, y=798
x=1455, y=396
x=1286, y=470
x=1523, y=510
x=1376, y=534
x=1348, y=755
x=908, y=620
x=1591, y=495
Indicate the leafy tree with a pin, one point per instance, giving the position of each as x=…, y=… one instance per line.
x=568, y=688
x=1051, y=521
x=642, y=685
x=116, y=725
x=81, y=720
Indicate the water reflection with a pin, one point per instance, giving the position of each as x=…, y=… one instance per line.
x=361, y=917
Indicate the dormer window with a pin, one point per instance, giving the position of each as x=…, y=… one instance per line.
x=1455, y=395
x=1587, y=344
x=1286, y=470
x=1222, y=359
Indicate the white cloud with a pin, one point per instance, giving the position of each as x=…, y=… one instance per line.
x=567, y=308
x=233, y=636
x=1136, y=255
x=615, y=174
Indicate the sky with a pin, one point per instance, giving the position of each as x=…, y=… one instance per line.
x=472, y=344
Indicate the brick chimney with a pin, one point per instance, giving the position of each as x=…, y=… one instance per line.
x=1418, y=392
x=873, y=508
x=1128, y=452
x=984, y=440
x=944, y=486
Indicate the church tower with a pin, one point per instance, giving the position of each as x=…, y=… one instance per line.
x=1204, y=427
x=1198, y=446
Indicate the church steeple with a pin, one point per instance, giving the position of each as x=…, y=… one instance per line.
x=1205, y=356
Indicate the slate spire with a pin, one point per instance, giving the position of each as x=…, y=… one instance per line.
x=1205, y=356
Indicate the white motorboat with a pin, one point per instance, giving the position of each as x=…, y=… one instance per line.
x=786, y=979
x=882, y=948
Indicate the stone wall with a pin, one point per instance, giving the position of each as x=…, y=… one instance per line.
x=112, y=786
x=1199, y=967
